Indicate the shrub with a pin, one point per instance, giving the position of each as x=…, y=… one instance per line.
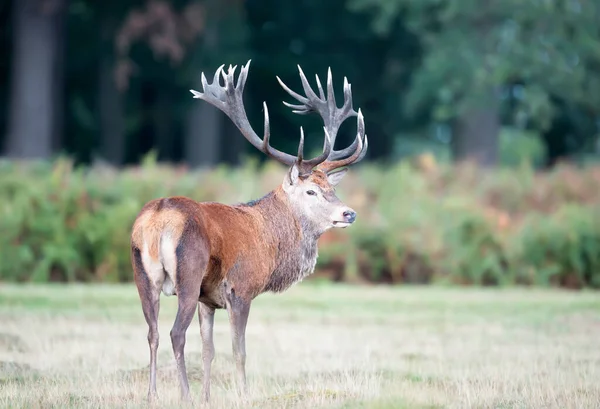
x=419, y=222
x=563, y=250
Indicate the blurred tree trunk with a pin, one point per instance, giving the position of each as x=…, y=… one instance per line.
x=35, y=84
x=204, y=122
x=163, y=122
x=477, y=131
x=233, y=143
x=59, y=82
x=110, y=102
x=202, y=134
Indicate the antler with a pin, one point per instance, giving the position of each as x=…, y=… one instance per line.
x=228, y=98
x=333, y=117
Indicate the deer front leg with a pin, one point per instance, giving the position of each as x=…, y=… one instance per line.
x=238, y=310
x=206, y=316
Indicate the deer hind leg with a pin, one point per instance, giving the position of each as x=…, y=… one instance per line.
x=191, y=259
x=149, y=287
x=206, y=315
x=238, y=309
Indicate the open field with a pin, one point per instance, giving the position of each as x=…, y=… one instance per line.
x=314, y=346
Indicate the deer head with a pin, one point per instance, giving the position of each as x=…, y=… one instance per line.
x=309, y=183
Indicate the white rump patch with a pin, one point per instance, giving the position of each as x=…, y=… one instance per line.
x=153, y=268
x=169, y=263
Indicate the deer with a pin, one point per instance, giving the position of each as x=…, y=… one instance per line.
x=218, y=256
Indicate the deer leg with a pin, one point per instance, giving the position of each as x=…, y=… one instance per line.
x=149, y=294
x=185, y=314
x=238, y=310
x=206, y=316
x=153, y=337
x=192, y=260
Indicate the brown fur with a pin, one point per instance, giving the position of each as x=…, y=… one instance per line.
x=222, y=256
x=319, y=178
x=151, y=223
x=245, y=241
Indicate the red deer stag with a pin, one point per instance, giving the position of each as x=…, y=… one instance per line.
x=221, y=256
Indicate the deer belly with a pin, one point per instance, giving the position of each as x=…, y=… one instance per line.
x=214, y=297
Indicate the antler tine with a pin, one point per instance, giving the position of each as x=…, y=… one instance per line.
x=359, y=152
x=299, y=97
x=330, y=94
x=335, y=155
x=301, y=146
x=229, y=78
x=310, y=94
x=242, y=78
x=364, y=151
x=308, y=165
x=326, y=107
x=321, y=93
x=267, y=128
x=228, y=98
x=347, y=97
x=332, y=116
x=218, y=73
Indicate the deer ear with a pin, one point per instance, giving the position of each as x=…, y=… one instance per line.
x=335, y=178
x=292, y=175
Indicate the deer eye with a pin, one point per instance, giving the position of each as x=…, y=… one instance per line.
x=311, y=192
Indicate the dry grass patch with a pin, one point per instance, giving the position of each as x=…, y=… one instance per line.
x=315, y=346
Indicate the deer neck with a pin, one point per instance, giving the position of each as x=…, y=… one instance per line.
x=294, y=236
x=280, y=217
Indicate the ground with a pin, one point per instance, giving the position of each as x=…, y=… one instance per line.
x=317, y=345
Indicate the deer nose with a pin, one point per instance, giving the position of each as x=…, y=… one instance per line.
x=349, y=216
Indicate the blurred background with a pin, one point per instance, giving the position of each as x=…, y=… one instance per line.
x=483, y=121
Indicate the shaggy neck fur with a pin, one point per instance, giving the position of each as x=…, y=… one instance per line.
x=293, y=235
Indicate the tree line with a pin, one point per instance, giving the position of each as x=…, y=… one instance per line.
x=108, y=81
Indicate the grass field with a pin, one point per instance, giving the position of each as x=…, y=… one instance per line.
x=314, y=346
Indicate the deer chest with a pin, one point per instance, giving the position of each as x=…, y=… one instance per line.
x=294, y=265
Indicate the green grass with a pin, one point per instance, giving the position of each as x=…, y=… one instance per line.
x=332, y=346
